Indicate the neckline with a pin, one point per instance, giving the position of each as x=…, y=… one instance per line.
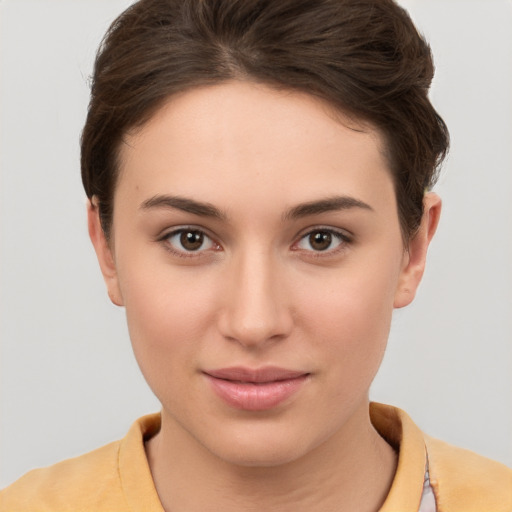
x=393, y=424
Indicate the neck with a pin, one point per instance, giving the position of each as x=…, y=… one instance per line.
x=352, y=470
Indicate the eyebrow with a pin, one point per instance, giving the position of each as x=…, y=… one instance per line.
x=203, y=209
x=329, y=204
x=183, y=204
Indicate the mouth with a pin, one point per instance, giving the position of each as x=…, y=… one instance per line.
x=256, y=389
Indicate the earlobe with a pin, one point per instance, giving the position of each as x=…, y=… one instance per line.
x=415, y=258
x=103, y=253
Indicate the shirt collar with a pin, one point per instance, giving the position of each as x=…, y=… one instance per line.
x=397, y=428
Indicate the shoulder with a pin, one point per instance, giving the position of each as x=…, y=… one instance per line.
x=462, y=481
x=80, y=483
x=466, y=482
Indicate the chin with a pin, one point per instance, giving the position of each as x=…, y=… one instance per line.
x=263, y=443
x=263, y=454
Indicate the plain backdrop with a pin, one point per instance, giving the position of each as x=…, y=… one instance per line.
x=69, y=382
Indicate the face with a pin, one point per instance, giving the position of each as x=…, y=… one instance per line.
x=257, y=250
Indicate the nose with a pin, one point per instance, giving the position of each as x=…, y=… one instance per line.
x=256, y=306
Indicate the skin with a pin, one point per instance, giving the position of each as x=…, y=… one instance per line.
x=258, y=292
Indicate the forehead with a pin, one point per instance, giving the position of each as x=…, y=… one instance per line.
x=249, y=138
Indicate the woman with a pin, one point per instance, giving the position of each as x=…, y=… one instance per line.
x=257, y=176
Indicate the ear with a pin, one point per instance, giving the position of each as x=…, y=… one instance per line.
x=415, y=257
x=103, y=252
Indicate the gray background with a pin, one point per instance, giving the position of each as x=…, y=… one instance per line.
x=69, y=382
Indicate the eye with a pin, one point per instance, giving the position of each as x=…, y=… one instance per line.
x=322, y=240
x=186, y=241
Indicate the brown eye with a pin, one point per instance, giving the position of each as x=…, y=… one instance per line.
x=323, y=240
x=191, y=240
x=187, y=241
x=320, y=240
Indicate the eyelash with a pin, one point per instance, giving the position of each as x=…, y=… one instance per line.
x=342, y=238
x=165, y=239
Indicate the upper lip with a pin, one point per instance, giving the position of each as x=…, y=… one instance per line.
x=256, y=375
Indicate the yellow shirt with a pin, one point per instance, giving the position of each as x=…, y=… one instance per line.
x=117, y=477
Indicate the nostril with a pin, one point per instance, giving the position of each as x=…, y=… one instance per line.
x=256, y=331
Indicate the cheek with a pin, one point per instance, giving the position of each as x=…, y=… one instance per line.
x=167, y=314
x=350, y=317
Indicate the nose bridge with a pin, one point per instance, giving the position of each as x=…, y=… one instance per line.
x=256, y=307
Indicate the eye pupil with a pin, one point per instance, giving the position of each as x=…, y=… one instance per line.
x=320, y=240
x=191, y=240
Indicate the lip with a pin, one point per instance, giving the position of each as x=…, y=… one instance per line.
x=255, y=389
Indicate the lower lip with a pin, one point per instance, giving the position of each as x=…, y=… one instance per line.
x=256, y=397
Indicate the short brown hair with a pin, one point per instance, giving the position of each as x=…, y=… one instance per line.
x=364, y=57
